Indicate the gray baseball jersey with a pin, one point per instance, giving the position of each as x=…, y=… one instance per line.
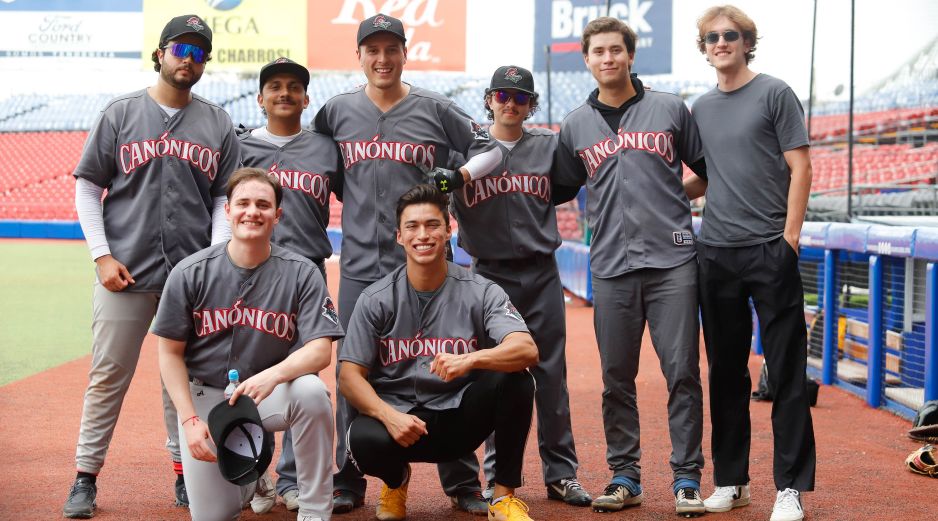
x=306, y=167
x=396, y=341
x=384, y=155
x=509, y=214
x=244, y=319
x=748, y=177
x=161, y=174
x=636, y=205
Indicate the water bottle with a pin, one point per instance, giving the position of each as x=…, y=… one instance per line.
x=232, y=383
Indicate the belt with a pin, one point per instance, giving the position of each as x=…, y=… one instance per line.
x=539, y=259
x=197, y=381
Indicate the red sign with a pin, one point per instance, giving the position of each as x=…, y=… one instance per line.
x=435, y=30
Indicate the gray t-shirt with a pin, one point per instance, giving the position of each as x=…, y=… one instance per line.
x=390, y=336
x=249, y=320
x=745, y=134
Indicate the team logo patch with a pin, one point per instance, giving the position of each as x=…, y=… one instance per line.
x=195, y=23
x=328, y=311
x=478, y=132
x=512, y=75
x=683, y=238
x=382, y=22
x=282, y=60
x=512, y=311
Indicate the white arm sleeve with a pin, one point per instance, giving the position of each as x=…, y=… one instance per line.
x=480, y=165
x=91, y=216
x=221, y=230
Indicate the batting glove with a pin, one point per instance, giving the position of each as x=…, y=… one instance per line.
x=446, y=180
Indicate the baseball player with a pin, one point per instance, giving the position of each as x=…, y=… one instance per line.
x=253, y=306
x=392, y=136
x=508, y=225
x=627, y=144
x=759, y=181
x=164, y=156
x=305, y=163
x=435, y=362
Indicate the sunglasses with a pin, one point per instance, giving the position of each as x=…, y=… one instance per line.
x=520, y=98
x=183, y=50
x=728, y=36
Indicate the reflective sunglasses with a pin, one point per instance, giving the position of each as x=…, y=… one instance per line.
x=728, y=36
x=182, y=50
x=520, y=98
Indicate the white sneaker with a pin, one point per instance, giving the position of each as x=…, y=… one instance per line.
x=725, y=499
x=308, y=518
x=291, y=499
x=265, y=495
x=787, y=506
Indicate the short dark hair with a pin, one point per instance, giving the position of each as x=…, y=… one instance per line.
x=491, y=115
x=156, y=59
x=608, y=24
x=243, y=175
x=424, y=194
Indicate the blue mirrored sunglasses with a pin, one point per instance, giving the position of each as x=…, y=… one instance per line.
x=520, y=97
x=182, y=50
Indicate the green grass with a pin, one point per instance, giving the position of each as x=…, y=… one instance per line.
x=45, y=308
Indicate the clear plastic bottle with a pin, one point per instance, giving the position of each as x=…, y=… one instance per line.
x=232, y=383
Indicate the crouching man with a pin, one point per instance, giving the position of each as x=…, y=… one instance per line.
x=260, y=309
x=435, y=361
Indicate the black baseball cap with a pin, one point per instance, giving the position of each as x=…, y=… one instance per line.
x=244, y=448
x=381, y=23
x=284, y=66
x=187, y=24
x=512, y=77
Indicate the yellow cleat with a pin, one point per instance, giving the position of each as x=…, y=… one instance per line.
x=509, y=508
x=392, y=505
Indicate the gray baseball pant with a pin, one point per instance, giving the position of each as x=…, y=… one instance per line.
x=667, y=300
x=304, y=406
x=457, y=477
x=534, y=287
x=120, y=321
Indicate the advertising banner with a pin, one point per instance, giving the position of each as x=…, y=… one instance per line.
x=70, y=29
x=435, y=30
x=559, y=25
x=246, y=34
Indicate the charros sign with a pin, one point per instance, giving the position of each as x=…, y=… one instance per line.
x=435, y=31
x=559, y=24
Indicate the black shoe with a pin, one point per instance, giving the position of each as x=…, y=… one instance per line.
x=182, y=497
x=344, y=501
x=570, y=492
x=471, y=502
x=81, y=500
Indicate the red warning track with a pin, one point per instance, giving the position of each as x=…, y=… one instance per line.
x=860, y=473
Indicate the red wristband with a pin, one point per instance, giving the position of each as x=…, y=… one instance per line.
x=196, y=417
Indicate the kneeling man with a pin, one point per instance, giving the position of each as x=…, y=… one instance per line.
x=435, y=361
x=265, y=311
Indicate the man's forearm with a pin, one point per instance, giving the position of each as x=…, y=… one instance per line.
x=798, y=192
x=516, y=352
x=359, y=393
x=313, y=357
x=175, y=376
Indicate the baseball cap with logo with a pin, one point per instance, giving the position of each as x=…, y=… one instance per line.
x=381, y=23
x=187, y=24
x=284, y=66
x=512, y=77
x=244, y=447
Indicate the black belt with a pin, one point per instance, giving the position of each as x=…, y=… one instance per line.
x=539, y=259
x=198, y=381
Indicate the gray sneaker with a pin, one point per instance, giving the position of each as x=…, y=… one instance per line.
x=570, y=492
x=81, y=500
x=471, y=502
x=265, y=495
x=291, y=500
x=615, y=498
x=687, y=502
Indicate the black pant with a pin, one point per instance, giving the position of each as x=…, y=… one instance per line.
x=769, y=274
x=499, y=402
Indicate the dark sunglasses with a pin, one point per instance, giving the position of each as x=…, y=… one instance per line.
x=182, y=50
x=520, y=98
x=729, y=36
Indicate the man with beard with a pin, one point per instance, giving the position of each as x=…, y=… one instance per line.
x=164, y=155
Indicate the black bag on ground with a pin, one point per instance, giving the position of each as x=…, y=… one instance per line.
x=763, y=392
